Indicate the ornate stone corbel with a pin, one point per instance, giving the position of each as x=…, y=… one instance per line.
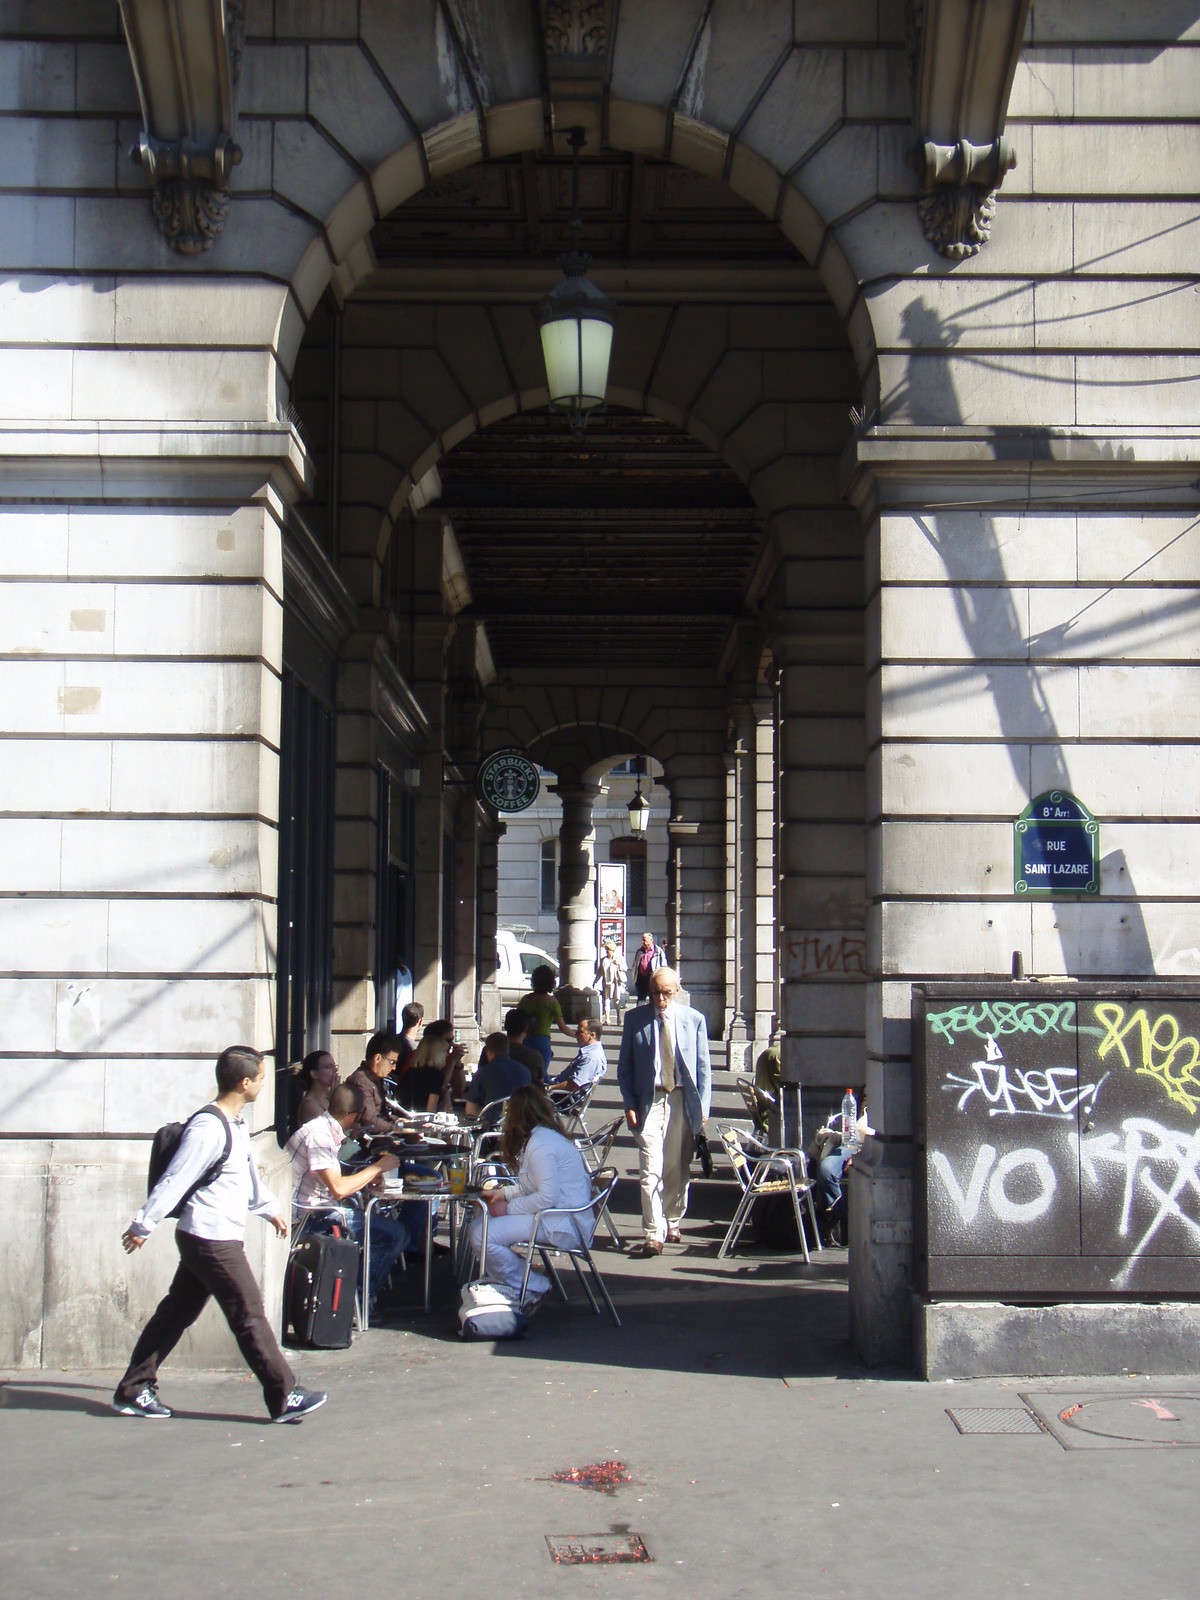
x=576, y=36
x=965, y=56
x=961, y=180
x=181, y=60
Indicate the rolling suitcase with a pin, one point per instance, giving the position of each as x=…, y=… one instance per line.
x=322, y=1280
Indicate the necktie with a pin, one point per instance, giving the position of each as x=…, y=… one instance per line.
x=666, y=1054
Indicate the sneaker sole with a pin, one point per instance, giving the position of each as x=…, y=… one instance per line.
x=148, y=1416
x=299, y=1416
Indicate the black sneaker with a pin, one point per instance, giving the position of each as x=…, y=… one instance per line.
x=299, y=1403
x=144, y=1404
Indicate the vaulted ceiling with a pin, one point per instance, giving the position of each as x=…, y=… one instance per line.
x=634, y=543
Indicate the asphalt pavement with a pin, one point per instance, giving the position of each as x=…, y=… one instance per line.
x=723, y=1441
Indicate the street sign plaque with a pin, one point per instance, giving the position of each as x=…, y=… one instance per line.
x=1056, y=847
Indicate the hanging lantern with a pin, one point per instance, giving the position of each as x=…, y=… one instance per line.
x=576, y=321
x=639, y=812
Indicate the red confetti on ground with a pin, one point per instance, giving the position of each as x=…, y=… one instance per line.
x=604, y=1475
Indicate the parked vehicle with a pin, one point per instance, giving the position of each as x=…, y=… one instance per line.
x=515, y=963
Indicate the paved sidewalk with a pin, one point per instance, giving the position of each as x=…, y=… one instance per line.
x=763, y=1462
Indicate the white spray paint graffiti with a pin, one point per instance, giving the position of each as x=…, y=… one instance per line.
x=1146, y=1151
x=1003, y=1207
x=1011, y=1091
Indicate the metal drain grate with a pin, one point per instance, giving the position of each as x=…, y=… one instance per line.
x=995, y=1419
x=596, y=1549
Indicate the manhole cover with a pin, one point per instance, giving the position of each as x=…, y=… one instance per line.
x=995, y=1419
x=1120, y=1421
x=597, y=1549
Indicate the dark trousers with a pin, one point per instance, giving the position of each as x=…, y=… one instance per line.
x=216, y=1268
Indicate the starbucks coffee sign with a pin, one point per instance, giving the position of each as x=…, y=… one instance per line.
x=507, y=781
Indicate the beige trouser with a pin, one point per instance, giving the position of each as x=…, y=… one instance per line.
x=665, y=1143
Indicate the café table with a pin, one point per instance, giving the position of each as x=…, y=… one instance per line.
x=430, y=1192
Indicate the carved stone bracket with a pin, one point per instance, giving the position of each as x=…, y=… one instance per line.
x=965, y=56
x=181, y=54
x=190, y=188
x=962, y=179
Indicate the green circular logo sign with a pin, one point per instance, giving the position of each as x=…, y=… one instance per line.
x=508, y=781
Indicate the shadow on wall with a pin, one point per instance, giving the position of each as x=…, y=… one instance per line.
x=996, y=636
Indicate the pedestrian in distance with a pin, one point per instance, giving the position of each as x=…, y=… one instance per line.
x=651, y=958
x=211, y=1182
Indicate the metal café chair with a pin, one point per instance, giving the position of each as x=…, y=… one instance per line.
x=603, y=1184
x=595, y=1149
x=571, y=1103
x=763, y=1169
x=487, y=1135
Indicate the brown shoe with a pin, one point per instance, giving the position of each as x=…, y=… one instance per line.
x=647, y=1248
x=674, y=1236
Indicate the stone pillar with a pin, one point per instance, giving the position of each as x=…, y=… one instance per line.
x=425, y=642
x=577, y=882
x=139, y=785
x=355, y=856
x=491, y=1016
x=749, y=878
x=466, y=919
x=764, y=1000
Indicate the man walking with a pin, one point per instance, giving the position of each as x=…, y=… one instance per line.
x=665, y=1078
x=651, y=958
x=213, y=1178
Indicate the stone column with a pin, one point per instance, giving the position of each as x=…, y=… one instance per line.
x=491, y=1016
x=466, y=919
x=425, y=642
x=749, y=877
x=577, y=882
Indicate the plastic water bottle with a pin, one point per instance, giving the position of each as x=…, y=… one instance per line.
x=849, y=1120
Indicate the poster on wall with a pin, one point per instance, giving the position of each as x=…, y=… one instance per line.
x=612, y=888
x=613, y=928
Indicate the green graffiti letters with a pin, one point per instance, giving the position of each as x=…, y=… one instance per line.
x=1160, y=1051
x=995, y=1018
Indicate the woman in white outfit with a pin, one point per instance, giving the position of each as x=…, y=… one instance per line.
x=550, y=1173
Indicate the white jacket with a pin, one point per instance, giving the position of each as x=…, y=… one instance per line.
x=552, y=1173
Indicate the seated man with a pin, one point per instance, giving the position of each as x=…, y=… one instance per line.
x=590, y=1065
x=378, y=1064
x=319, y=1180
x=516, y=1026
x=496, y=1076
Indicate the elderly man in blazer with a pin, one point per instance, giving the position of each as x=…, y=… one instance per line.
x=666, y=1084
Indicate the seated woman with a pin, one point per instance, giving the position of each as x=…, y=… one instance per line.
x=550, y=1173
x=316, y=1079
x=544, y=1013
x=429, y=1077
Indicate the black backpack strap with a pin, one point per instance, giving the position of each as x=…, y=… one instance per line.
x=213, y=1172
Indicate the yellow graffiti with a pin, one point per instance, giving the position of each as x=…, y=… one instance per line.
x=1165, y=1054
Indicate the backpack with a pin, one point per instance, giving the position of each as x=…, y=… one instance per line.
x=490, y=1311
x=166, y=1142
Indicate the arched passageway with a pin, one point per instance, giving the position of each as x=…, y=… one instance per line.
x=662, y=585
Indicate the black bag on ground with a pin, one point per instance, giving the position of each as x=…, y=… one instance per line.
x=322, y=1280
x=166, y=1142
x=775, y=1223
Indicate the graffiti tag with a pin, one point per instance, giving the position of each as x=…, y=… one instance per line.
x=814, y=955
x=1160, y=1051
x=995, y=1174
x=997, y=1018
x=1011, y=1091
x=1162, y=1163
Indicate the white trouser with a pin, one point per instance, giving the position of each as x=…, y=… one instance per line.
x=665, y=1143
x=503, y=1264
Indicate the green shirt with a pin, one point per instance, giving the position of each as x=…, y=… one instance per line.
x=545, y=1011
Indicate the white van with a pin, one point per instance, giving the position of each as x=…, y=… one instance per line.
x=515, y=964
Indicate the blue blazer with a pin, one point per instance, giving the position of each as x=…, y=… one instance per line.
x=693, y=1070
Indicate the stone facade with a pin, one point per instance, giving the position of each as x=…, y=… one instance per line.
x=979, y=583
